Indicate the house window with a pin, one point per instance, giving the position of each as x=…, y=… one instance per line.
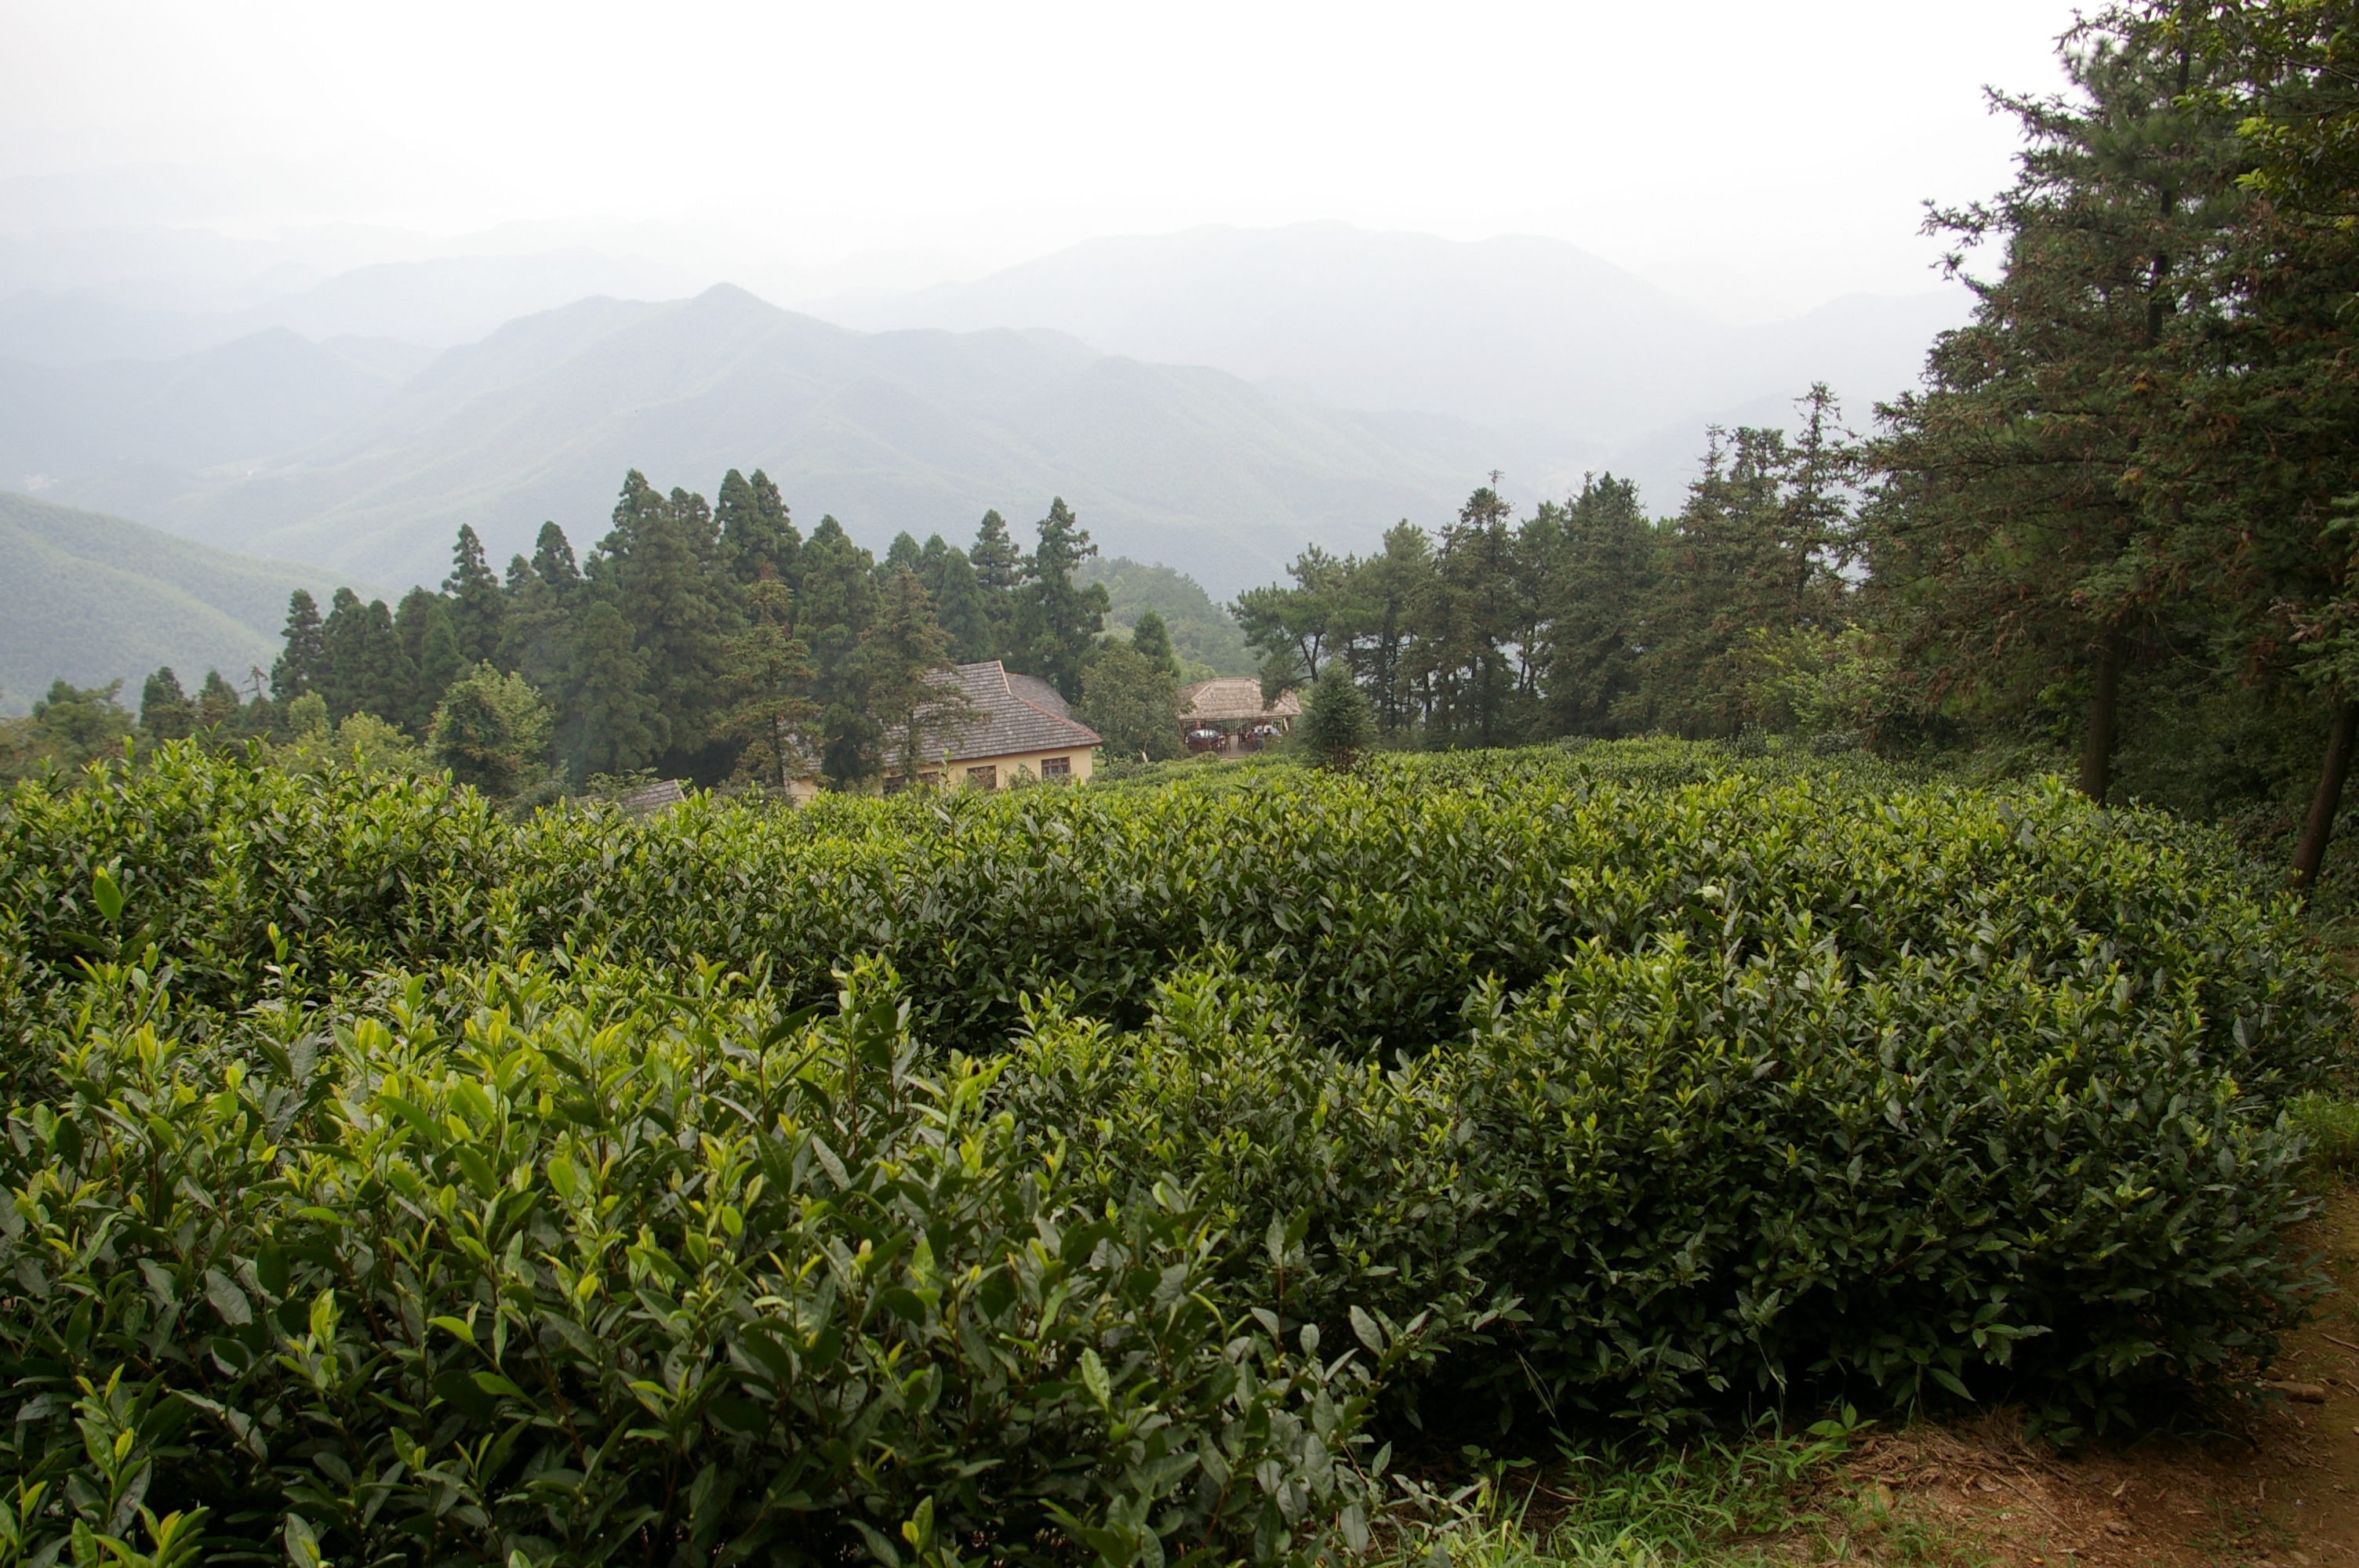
x=931, y=781
x=1056, y=767
x=896, y=785
x=984, y=777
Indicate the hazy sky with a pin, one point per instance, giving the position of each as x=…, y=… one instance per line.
x=1764, y=158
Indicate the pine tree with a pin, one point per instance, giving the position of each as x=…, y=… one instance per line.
x=1373, y=619
x=553, y=562
x=1151, y=640
x=343, y=675
x=219, y=708
x=386, y=680
x=301, y=661
x=950, y=582
x=431, y=647
x=1000, y=571
x=659, y=568
x=165, y=712
x=834, y=610
x=492, y=732
x=756, y=531
x=1058, y=621
x=473, y=599
x=913, y=709
x=610, y=723
x=1337, y=727
x=771, y=707
x=902, y=555
x=2010, y=532
x=1595, y=609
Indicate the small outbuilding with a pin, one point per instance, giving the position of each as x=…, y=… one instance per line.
x=1020, y=729
x=1227, y=714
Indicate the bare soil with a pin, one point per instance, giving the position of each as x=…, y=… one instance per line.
x=2274, y=1488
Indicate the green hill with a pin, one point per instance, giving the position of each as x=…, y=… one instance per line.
x=1201, y=630
x=918, y=430
x=91, y=598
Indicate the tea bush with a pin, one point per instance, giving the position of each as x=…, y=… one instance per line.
x=1087, y=1174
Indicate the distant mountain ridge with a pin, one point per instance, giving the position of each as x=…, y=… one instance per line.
x=917, y=430
x=1515, y=329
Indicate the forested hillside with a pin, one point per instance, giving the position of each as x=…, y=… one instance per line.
x=90, y=598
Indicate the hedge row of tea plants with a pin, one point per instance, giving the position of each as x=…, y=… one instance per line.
x=1086, y=1175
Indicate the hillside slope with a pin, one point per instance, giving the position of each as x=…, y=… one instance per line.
x=93, y=598
x=921, y=430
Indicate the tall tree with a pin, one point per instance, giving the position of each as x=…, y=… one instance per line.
x=1151, y=640
x=474, y=599
x=914, y=703
x=430, y=652
x=1058, y=619
x=834, y=610
x=756, y=531
x=951, y=583
x=304, y=654
x=771, y=707
x=165, y=712
x=1378, y=602
x=1001, y=572
x=1291, y=628
x=1596, y=608
x=610, y=723
x=2010, y=529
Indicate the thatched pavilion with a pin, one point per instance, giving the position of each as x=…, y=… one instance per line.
x=1227, y=714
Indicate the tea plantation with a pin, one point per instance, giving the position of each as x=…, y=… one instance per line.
x=1114, y=1174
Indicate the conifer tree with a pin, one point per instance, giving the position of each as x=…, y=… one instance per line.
x=219, y=708
x=914, y=708
x=756, y=530
x=1594, y=608
x=431, y=648
x=1337, y=727
x=1058, y=621
x=1151, y=640
x=959, y=604
x=657, y=569
x=834, y=610
x=492, y=732
x=611, y=722
x=165, y=712
x=473, y=600
x=299, y=662
x=1000, y=573
x=771, y=707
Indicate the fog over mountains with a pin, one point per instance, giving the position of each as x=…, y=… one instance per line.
x=1212, y=399
x=1514, y=331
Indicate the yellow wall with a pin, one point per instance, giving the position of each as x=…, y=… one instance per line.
x=1082, y=758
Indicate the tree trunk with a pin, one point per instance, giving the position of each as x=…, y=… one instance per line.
x=2097, y=754
x=2320, y=825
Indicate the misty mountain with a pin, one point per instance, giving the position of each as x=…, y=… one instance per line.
x=917, y=430
x=95, y=599
x=242, y=402
x=1496, y=331
x=433, y=303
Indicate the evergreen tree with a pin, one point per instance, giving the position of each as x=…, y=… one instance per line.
x=1291, y=628
x=300, y=663
x=610, y=723
x=915, y=710
x=658, y=567
x=473, y=600
x=1337, y=727
x=431, y=647
x=341, y=677
x=492, y=732
x=1375, y=606
x=1596, y=603
x=958, y=605
x=902, y=555
x=1470, y=625
x=771, y=707
x=534, y=629
x=834, y=610
x=219, y=708
x=1152, y=642
x=1000, y=571
x=553, y=562
x=1133, y=702
x=755, y=530
x=165, y=712
x=2011, y=538
x=386, y=680
x=1057, y=619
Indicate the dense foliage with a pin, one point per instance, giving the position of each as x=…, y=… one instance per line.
x=1088, y=1173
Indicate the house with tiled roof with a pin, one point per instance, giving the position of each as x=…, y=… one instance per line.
x=1016, y=730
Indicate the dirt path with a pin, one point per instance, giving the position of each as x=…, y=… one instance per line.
x=2283, y=1492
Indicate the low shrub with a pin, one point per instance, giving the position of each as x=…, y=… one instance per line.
x=617, y=1269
